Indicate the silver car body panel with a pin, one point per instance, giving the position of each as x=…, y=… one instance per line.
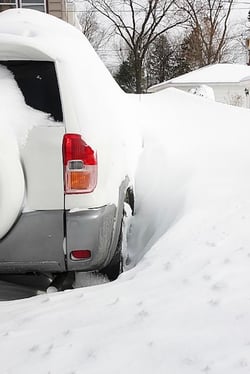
x=35, y=243
x=92, y=230
x=97, y=230
x=38, y=241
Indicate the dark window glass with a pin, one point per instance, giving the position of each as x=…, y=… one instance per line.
x=38, y=82
x=6, y=7
x=24, y=2
x=8, y=2
x=39, y=7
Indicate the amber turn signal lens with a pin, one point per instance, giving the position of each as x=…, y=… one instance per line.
x=79, y=180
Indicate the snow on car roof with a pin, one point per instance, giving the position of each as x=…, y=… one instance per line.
x=27, y=31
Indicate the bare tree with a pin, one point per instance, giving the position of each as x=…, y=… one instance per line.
x=208, y=40
x=139, y=23
x=96, y=35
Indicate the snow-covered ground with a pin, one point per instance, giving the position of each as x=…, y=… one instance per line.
x=185, y=307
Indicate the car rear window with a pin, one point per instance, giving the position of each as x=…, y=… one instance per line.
x=38, y=82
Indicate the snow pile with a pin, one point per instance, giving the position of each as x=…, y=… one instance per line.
x=185, y=308
x=9, y=93
x=17, y=118
x=204, y=91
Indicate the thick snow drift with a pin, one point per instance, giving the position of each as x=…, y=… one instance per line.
x=185, y=307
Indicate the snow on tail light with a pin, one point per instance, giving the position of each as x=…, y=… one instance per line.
x=80, y=165
x=80, y=254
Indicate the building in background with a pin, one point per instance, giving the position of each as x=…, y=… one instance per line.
x=62, y=9
x=248, y=37
x=230, y=83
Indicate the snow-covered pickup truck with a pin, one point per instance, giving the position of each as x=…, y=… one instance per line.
x=66, y=150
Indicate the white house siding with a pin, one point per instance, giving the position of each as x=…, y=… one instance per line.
x=233, y=95
x=228, y=94
x=55, y=8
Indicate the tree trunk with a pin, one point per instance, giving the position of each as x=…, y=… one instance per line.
x=138, y=75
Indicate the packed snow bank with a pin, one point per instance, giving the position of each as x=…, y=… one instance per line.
x=204, y=91
x=185, y=307
x=195, y=159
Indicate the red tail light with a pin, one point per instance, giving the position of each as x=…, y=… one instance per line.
x=80, y=254
x=80, y=165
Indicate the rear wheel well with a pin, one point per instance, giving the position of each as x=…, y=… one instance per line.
x=130, y=198
x=115, y=267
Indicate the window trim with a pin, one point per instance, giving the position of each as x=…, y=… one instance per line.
x=14, y=3
x=20, y=3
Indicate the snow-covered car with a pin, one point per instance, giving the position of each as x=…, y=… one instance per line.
x=65, y=169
